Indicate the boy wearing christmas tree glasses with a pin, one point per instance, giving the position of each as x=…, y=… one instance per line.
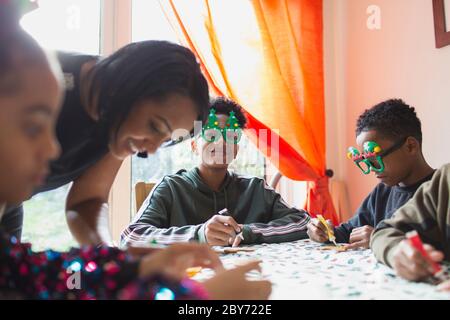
x=390, y=137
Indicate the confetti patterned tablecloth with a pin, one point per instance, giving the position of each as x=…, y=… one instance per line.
x=299, y=270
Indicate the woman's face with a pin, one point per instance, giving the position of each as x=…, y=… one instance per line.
x=151, y=123
x=29, y=106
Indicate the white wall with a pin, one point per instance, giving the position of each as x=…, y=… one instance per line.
x=364, y=67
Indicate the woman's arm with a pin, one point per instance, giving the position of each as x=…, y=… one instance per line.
x=87, y=202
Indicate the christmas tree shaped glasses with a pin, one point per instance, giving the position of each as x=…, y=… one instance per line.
x=212, y=132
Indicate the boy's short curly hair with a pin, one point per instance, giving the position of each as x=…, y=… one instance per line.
x=392, y=119
x=225, y=106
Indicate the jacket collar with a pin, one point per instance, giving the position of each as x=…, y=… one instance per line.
x=194, y=176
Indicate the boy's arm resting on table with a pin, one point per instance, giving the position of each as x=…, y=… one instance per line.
x=362, y=217
x=419, y=214
x=284, y=224
x=86, y=273
x=87, y=202
x=152, y=222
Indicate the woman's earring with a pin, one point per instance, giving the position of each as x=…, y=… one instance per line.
x=194, y=147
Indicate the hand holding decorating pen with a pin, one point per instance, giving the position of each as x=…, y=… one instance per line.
x=330, y=232
x=415, y=241
x=224, y=212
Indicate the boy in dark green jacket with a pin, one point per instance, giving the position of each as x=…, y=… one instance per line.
x=185, y=206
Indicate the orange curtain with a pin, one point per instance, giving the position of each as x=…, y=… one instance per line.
x=267, y=55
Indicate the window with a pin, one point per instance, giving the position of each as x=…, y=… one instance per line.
x=69, y=25
x=149, y=22
x=44, y=222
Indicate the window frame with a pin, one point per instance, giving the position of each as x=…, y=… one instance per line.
x=115, y=32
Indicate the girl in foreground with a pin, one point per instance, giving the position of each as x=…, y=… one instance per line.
x=30, y=99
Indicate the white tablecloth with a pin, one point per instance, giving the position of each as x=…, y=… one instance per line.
x=299, y=270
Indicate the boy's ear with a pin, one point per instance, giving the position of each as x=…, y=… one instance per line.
x=412, y=145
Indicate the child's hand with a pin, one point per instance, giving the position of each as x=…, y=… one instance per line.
x=317, y=231
x=175, y=259
x=221, y=230
x=360, y=237
x=410, y=264
x=237, y=239
x=232, y=285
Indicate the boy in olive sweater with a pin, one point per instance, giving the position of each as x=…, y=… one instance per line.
x=428, y=212
x=185, y=206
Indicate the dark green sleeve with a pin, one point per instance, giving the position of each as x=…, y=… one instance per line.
x=152, y=222
x=284, y=223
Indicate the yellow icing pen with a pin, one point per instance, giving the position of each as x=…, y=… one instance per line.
x=193, y=271
x=330, y=232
